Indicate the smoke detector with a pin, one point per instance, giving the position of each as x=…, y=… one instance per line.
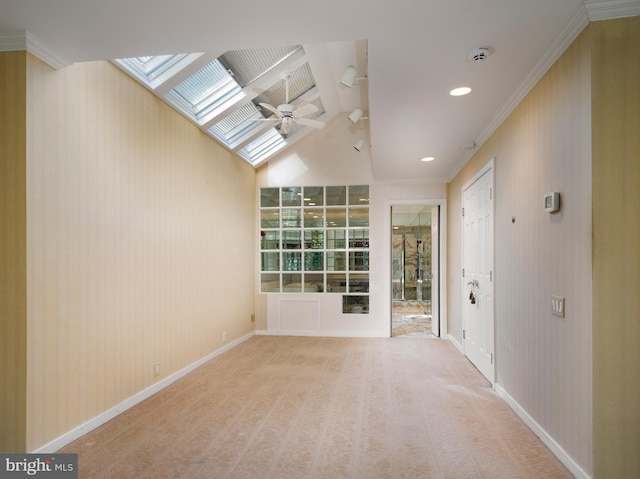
x=479, y=54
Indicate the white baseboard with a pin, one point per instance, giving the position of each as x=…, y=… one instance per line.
x=455, y=342
x=325, y=334
x=118, y=409
x=560, y=453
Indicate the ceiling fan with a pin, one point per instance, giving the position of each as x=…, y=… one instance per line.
x=288, y=114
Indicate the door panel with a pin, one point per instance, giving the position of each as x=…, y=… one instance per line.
x=477, y=261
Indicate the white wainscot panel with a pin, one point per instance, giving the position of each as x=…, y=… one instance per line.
x=299, y=315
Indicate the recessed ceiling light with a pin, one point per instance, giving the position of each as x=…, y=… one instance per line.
x=463, y=90
x=427, y=158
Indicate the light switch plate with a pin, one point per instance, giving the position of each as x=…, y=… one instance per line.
x=557, y=306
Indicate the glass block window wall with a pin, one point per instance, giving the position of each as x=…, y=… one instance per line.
x=315, y=240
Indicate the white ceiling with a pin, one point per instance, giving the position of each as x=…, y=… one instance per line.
x=415, y=52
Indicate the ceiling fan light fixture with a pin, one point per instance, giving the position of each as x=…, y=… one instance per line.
x=286, y=125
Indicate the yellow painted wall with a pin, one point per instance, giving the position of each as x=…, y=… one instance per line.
x=13, y=272
x=616, y=247
x=140, y=243
x=543, y=363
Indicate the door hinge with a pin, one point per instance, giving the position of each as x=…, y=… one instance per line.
x=490, y=275
x=464, y=334
x=463, y=272
x=462, y=211
x=490, y=193
x=491, y=358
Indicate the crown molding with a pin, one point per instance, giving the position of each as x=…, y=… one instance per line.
x=586, y=13
x=38, y=48
x=612, y=9
x=577, y=23
x=11, y=42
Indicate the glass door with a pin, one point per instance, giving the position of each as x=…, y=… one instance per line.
x=412, y=269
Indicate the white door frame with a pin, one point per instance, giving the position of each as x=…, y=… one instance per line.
x=435, y=285
x=489, y=167
x=442, y=284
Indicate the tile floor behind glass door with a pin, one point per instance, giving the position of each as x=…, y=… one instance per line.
x=411, y=319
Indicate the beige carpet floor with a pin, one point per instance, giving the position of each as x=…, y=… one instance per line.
x=296, y=407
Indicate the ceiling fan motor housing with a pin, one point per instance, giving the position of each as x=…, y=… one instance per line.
x=286, y=109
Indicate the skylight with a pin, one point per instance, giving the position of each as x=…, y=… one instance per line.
x=205, y=90
x=266, y=145
x=222, y=95
x=247, y=66
x=233, y=127
x=152, y=71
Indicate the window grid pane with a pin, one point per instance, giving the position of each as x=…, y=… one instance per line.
x=270, y=283
x=336, y=283
x=358, y=238
x=336, y=261
x=270, y=261
x=313, y=283
x=292, y=196
x=269, y=197
x=291, y=218
x=291, y=240
x=314, y=240
x=313, y=218
x=359, y=195
x=270, y=219
x=358, y=217
x=291, y=261
x=292, y=283
x=313, y=196
x=270, y=240
x=336, y=195
x=336, y=217
x=314, y=261
x=336, y=239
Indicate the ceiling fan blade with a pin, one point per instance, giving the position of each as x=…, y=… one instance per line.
x=263, y=119
x=304, y=110
x=309, y=122
x=271, y=108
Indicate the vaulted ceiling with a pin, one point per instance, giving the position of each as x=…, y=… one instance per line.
x=412, y=54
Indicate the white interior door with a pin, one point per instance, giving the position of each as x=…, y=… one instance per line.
x=435, y=270
x=477, y=264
